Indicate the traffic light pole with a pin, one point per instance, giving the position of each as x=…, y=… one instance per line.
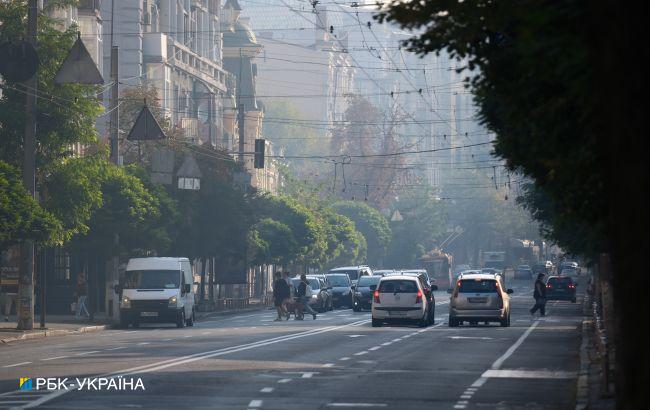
x=25, y=300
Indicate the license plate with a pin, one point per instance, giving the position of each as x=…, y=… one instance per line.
x=477, y=300
x=149, y=314
x=396, y=313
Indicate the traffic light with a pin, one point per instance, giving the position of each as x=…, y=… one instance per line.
x=260, y=147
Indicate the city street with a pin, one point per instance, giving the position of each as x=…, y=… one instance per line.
x=248, y=361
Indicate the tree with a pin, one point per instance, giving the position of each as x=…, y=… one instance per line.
x=543, y=82
x=277, y=246
x=21, y=218
x=371, y=224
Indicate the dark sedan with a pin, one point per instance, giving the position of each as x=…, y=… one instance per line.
x=363, y=294
x=561, y=288
x=341, y=289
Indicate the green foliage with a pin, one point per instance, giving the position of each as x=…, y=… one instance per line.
x=277, y=246
x=532, y=81
x=21, y=218
x=371, y=224
x=419, y=231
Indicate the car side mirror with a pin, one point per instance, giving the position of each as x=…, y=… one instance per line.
x=509, y=291
x=373, y=287
x=187, y=288
x=117, y=289
x=434, y=287
x=450, y=290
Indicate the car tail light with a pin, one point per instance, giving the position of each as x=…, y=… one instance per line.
x=418, y=297
x=572, y=285
x=376, y=296
x=455, y=295
x=549, y=286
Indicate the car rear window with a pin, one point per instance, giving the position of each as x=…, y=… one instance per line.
x=368, y=280
x=398, y=286
x=558, y=281
x=477, y=286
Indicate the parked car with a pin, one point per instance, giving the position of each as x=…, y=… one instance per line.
x=362, y=292
x=523, y=272
x=354, y=272
x=341, y=289
x=561, y=288
x=401, y=297
x=321, y=298
x=157, y=290
x=479, y=298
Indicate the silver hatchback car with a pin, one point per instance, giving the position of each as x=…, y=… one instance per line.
x=479, y=298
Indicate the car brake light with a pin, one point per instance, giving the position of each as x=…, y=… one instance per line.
x=418, y=298
x=376, y=296
x=549, y=286
x=571, y=285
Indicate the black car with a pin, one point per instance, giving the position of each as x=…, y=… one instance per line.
x=561, y=288
x=341, y=289
x=363, y=294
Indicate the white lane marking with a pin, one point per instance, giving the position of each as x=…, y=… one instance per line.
x=470, y=337
x=54, y=358
x=396, y=340
x=188, y=336
x=387, y=343
x=267, y=390
x=459, y=406
x=497, y=363
x=356, y=404
x=361, y=353
x=284, y=380
x=255, y=404
x=206, y=333
x=344, y=358
x=356, y=335
x=328, y=365
x=375, y=348
x=166, y=340
x=471, y=389
x=85, y=353
x=144, y=343
x=16, y=364
x=479, y=382
x=529, y=374
x=199, y=356
x=116, y=348
x=466, y=396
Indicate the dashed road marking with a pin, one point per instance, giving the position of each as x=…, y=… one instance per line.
x=267, y=390
x=254, y=404
x=328, y=365
x=86, y=353
x=344, y=358
x=54, y=358
x=375, y=348
x=17, y=364
x=284, y=380
x=361, y=353
x=115, y=348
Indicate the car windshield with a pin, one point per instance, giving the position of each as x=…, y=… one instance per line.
x=523, y=267
x=367, y=281
x=339, y=280
x=152, y=279
x=398, y=286
x=477, y=286
x=352, y=274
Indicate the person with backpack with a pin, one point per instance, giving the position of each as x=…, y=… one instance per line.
x=304, y=294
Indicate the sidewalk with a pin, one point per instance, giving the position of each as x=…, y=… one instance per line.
x=55, y=325
x=60, y=325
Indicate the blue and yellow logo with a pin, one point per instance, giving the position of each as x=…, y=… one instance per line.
x=25, y=383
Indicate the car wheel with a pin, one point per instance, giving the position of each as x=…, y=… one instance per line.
x=505, y=322
x=181, y=319
x=424, y=322
x=453, y=322
x=356, y=308
x=376, y=323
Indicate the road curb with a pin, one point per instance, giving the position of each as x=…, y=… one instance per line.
x=582, y=388
x=55, y=332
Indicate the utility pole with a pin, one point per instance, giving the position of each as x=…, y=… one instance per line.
x=113, y=107
x=241, y=115
x=25, y=305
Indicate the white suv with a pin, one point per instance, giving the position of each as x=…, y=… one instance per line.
x=479, y=298
x=401, y=297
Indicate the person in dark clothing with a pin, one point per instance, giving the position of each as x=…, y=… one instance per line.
x=303, y=287
x=540, y=296
x=280, y=294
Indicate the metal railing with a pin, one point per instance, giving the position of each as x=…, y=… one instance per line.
x=602, y=347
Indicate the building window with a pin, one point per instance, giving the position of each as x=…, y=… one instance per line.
x=61, y=265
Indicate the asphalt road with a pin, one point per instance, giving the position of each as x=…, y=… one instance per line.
x=248, y=361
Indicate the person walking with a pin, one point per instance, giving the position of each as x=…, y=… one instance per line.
x=10, y=292
x=540, y=296
x=303, y=288
x=82, y=297
x=280, y=294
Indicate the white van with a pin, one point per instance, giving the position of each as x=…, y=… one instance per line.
x=156, y=290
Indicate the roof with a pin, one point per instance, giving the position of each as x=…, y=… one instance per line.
x=348, y=268
x=164, y=263
x=477, y=276
x=241, y=36
x=391, y=277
